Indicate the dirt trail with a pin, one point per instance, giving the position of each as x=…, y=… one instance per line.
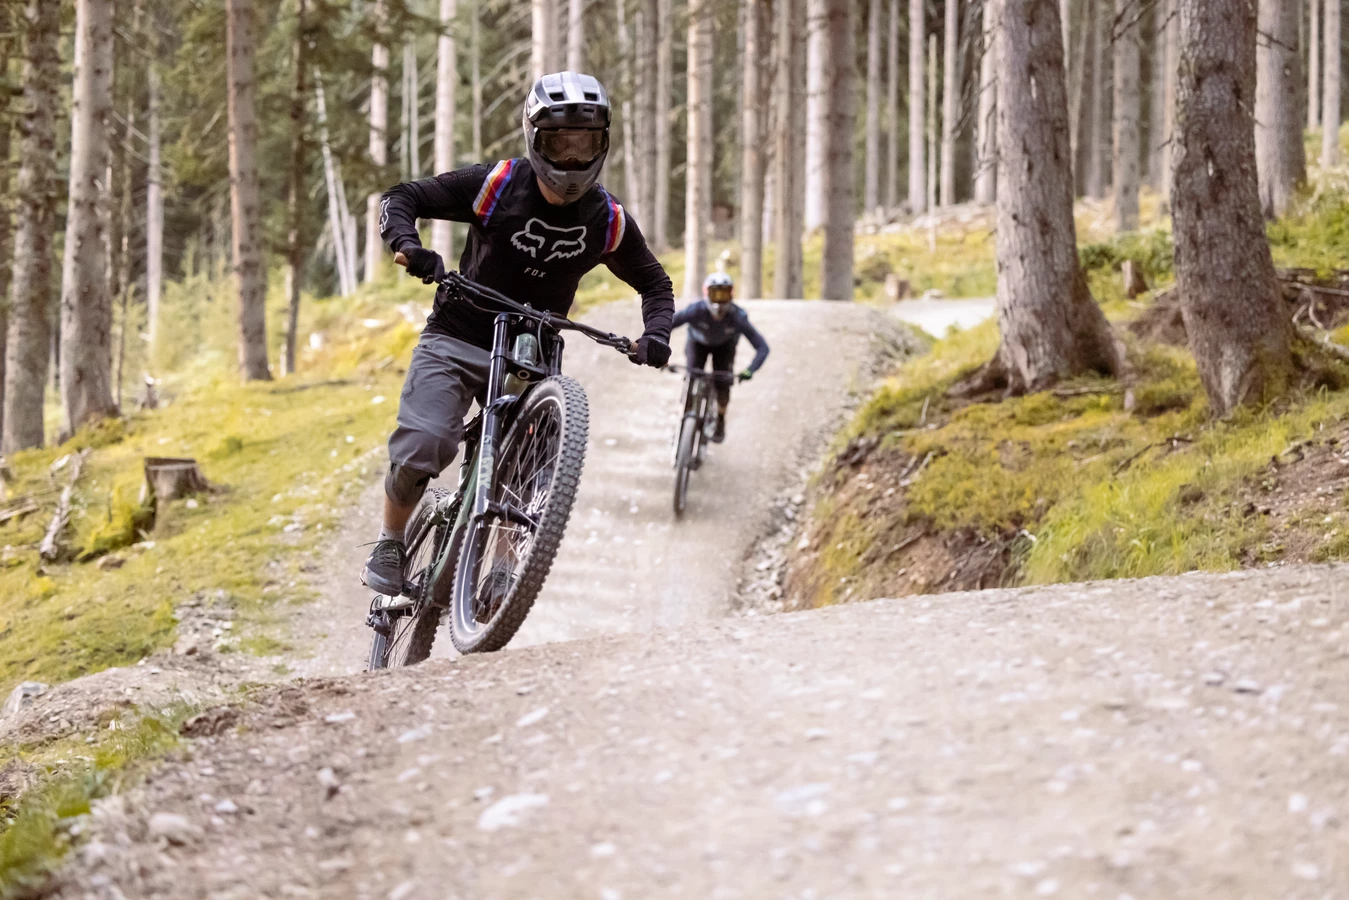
x=626, y=564
x=1181, y=737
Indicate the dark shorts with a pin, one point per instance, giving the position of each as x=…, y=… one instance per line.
x=723, y=360
x=442, y=381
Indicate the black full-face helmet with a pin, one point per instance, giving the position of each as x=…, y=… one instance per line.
x=566, y=123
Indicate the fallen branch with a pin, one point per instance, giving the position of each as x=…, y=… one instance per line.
x=1334, y=349
x=1133, y=458
x=16, y=512
x=50, y=548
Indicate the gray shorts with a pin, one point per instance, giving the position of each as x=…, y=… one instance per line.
x=443, y=379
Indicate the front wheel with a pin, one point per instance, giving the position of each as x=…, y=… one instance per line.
x=684, y=461
x=503, y=561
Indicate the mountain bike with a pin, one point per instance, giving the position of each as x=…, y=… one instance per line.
x=698, y=418
x=499, y=529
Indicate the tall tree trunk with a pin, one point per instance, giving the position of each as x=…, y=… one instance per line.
x=1157, y=96
x=660, y=228
x=123, y=283
x=86, y=305
x=1051, y=327
x=543, y=38
x=917, y=108
x=817, y=90
x=892, y=108
x=698, y=192
x=871, y=181
x=1280, y=155
x=789, y=150
x=447, y=81
x=932, y=124
x=986, y=174
x=29, y=338
x=1096, y=137
x=1330, y=109
x=295, y=242
x=949, y=105
x=245, y=209
x=644, y=124
x=1238, y=330
x=409, y=73
x=8, y=46
x=379, y=138
x=1077, y=78
x=632, y=179
x=337, y=215
x=1126, y=113
x=414, y=105
x=752, y=153
x=836, y=265
x=475, y=74
x=154, y=213
x=1314, y=65
x=1172, y=61
x=575, y=36
x=1065, y=25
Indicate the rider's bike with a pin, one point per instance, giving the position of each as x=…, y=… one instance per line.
x=698, y=419
x=500, y=528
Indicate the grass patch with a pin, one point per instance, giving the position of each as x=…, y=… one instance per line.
x=38, y=827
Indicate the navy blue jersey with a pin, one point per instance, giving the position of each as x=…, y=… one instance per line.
x=524, y=246
x=710, y=331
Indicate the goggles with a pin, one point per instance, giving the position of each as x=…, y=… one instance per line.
x=719, y=293
x=571, y=149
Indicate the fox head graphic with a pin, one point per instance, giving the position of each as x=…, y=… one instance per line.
x=556, y=243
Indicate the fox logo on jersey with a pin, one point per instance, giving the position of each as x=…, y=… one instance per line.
x=561, y=243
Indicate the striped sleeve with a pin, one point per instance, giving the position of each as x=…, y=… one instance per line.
x=618, y=223
x=492, y=188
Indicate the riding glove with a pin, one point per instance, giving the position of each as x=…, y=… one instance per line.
x=651, y=351
x=745, y=375
x=425, y=264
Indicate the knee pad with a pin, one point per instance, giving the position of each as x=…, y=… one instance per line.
x=405, y=486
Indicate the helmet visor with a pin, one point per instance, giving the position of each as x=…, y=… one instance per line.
x=571, y=149
x=719, y=293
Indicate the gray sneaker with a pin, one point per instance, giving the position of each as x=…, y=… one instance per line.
x=384, y=569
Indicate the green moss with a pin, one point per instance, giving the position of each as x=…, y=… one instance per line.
x=36, y=829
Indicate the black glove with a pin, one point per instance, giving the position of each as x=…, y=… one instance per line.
x=745, y=375
x=651, y=351
x=425, y=264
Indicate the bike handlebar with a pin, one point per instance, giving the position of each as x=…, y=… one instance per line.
x=455, y=281
x=701, y=373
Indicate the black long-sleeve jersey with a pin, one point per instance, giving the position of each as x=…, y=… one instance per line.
x=524, y=246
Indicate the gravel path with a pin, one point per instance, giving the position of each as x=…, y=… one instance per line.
x=1181, y=737
x=626, y=564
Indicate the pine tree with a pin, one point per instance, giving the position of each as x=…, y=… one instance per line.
x=698, y=190
x=245, y=211
x=1126, y=111
x=917, y=109
x=838, y=125
x=1280, y=156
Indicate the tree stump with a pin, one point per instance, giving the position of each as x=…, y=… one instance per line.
x=1134, y=281
x=897, y=288
x=170, y=478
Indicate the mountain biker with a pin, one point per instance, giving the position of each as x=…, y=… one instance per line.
x=536, y=225
x=715, y=326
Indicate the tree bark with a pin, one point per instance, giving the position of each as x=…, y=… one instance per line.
x=932, y=123
x=871, y=180
x=892, y=192
x=950, y=105
x=295, y=240
x=1076, y=86
x=1126, y=114
x=752, y=153
x=245, y=210
x=698, y=190
x=1096, y=138
x=414, y=108
x=1280, y=156
x=122, y=244
x=1238, y=330
x=154, y=213
x=1051, y=327
x=839, y=125
x=86, y=305
x=7, y=46
x=1314, y=65
x=986, y=173
x=789, y=150
x=644, y=123
x=660, y=228
x=379, y=138
x=337, y=215
x=543, y=38
x=1330, y=109
x=917, y=108
x=475, y=74
x=447, y=83
x=632, y=179
x=1157, y=98
x=575, y=36
x=1172, y=61
x=817, y=89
